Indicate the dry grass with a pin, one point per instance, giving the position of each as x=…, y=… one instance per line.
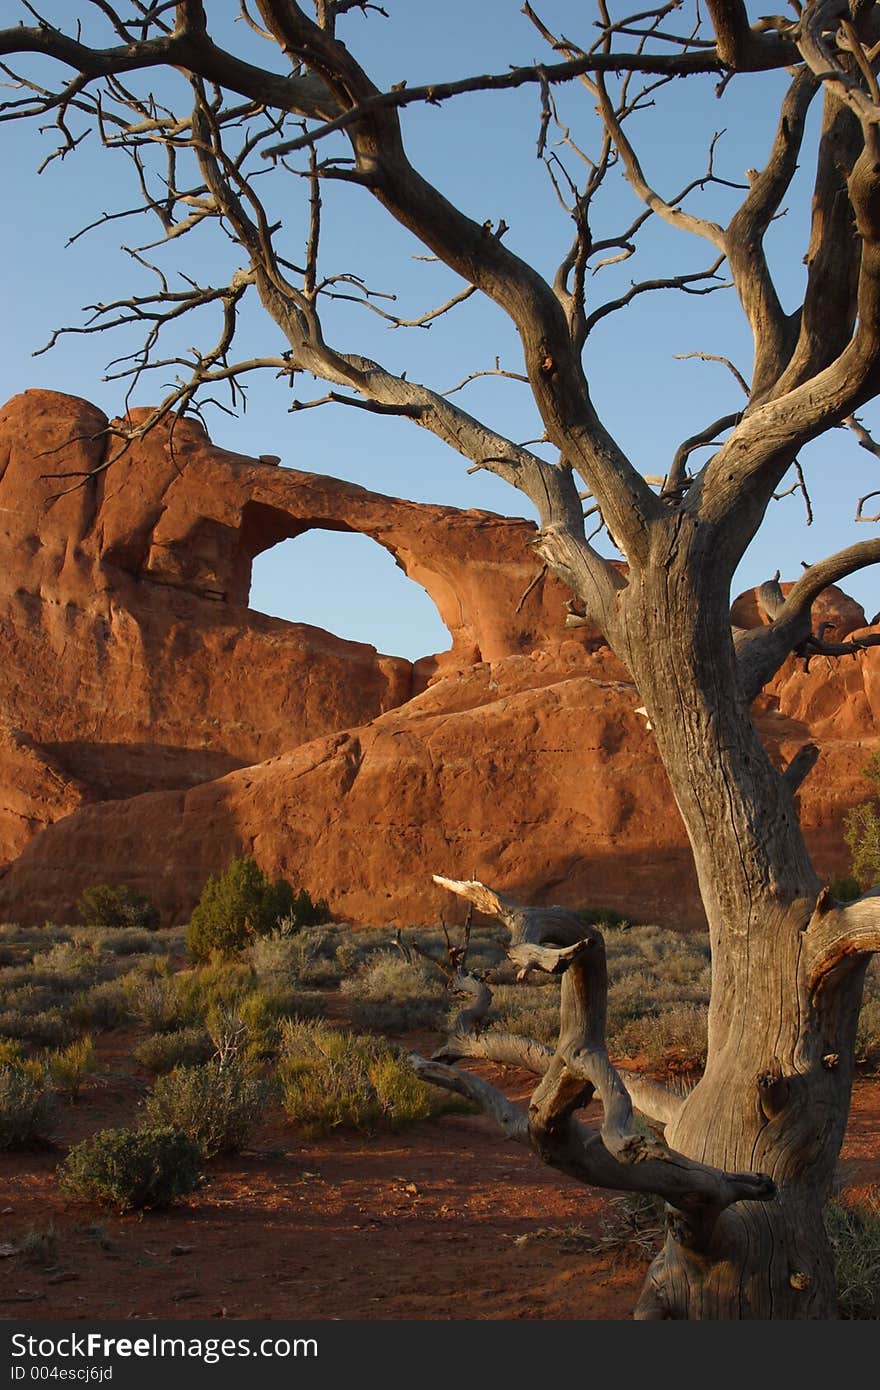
x=854, y=1232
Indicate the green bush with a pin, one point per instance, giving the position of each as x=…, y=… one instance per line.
x=845, y=888
x=314, y=961
x=31, y=999
x=242, y=904
x=27, y=1107
x=218, y=1108
x=133, y=1170
x=106, y=906
x=297, y=910
x=62, y=984
x=12, y=1054
x=335, y=1079
x=162, y=1052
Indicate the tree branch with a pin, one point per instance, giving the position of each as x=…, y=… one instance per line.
x=840, y=935
x=620, y=1156
x=761, y=651
x=742, y=48
x=553, y=366
x=774, y=332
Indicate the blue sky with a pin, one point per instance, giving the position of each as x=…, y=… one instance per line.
x=481, y=152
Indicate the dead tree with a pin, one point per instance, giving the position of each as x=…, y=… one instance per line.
x=746, y=1160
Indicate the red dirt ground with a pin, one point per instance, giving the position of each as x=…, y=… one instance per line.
x=444, y=1220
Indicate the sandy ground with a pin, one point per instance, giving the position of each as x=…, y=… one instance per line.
x=444, y=1220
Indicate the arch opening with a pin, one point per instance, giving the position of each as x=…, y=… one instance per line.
x=349, y=585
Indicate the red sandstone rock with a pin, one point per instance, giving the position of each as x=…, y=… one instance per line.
x=129, y=651
x=163, y=726
x=832, y=606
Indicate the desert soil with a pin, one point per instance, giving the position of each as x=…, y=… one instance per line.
x=444, y=1220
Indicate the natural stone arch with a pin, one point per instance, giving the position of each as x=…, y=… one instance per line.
x=356, y=588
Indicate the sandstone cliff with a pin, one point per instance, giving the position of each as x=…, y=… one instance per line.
x=151, y=724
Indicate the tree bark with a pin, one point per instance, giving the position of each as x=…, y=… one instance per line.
x=775, y=1093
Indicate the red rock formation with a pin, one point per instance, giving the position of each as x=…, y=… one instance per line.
x=130, y=656
x=133, y=665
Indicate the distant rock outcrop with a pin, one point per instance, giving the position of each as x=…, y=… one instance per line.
x=151, y=724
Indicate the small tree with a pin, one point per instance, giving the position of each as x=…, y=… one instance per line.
x=242, y=904
x=106, y=906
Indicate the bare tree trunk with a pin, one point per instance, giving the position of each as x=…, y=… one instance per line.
x=775, y=1094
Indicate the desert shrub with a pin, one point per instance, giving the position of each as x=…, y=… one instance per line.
x=31, y=999
x=21, y=936
x=27, y=1108
x=277, y=958
x=159, y=1005
x=218, y=1108
x=861, y=830
x=50, y=1028
x=242, y=904
x=335, y=1079
x=350, y=953
x=39, y=1245
x=65, y=959
x=532, y=1010
x=188, y=1047
x=306, y=958
x=61, y=983
x=220, y=984
x=105, y=1006
x=313, y=960
x=262, y=1013
x=675, y=1037
x=69, y=1066
x=115, y=941
x=402, y=1097
x=868, y=1033
x=854, y=1233
x=601, y=917
x=106, y=906
x=133, y=1169
x=141, y=968
x=390, y=993
x=12, y=1054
